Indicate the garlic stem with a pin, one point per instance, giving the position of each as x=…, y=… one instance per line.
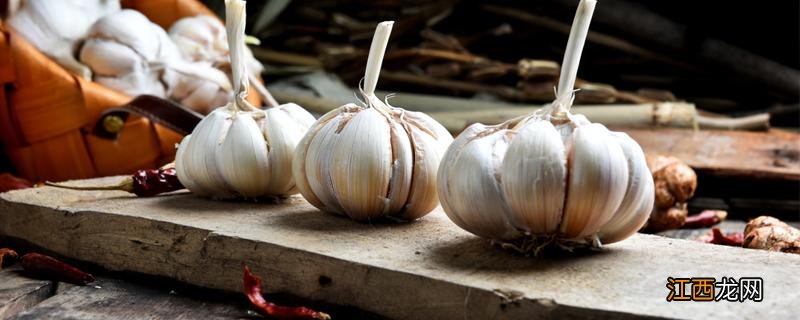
x=375, y=59
x=572, y=56
x=235, y=22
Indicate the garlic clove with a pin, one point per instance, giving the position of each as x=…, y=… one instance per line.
x=639, y=198
x=282, y=134
x=185, y=176
x=428, y=140
x=300, y=170
x=242, y=157
x=402, y=168
x=598, y=179
x=199, y=156
x=534, y=175
x=468, y=184
x=107, y=58
x=362, y=165
x=319, y=160
x=427, y=152
x=133, y=29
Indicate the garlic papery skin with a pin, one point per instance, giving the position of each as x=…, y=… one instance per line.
x=237, y=150
x=373, y=161
x=550, y=178
x=56, y=27
x=129, y=53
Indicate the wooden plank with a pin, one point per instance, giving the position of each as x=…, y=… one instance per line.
x=429, y=269
x=19, y=293
x=767, y=155
x=108, y=298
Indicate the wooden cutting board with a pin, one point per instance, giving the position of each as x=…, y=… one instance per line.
x=429, y=269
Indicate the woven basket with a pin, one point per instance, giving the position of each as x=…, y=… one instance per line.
x=47, y=113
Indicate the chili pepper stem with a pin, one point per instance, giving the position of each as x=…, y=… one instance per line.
x=125, y=185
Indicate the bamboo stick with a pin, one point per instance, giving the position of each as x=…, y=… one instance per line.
x=455, y=114
x=666, y=114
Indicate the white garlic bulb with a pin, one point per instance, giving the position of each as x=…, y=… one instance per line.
x=55, y=27
x=239, y=151
x=373, y=161
x=129, y=53
x=549, y=178
x=203, y=39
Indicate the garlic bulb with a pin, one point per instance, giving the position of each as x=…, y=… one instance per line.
x=129, y=53
x=55, y=27
x=239, y=151
x=549, y=178
x=373, y=161
x=203, y=39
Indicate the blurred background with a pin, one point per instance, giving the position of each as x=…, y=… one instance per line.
x=730, y=58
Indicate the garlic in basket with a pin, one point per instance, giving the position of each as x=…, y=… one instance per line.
x=129, y=53
x=54, y=27
x=239, y=151
x=203, y=39
x=372, y=161
x=549, y=178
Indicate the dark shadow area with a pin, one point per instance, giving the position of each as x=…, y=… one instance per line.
x=193, y=203
x=479, y=254
x=315, y=220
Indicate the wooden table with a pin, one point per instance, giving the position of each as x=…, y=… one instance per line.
x=429, y=269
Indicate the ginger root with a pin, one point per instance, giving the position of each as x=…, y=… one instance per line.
x=771, y=234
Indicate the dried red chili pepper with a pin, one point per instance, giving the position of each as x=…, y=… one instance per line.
x=47, y=267
x=716, y=236
x=252, y=288
x=9, y=182
x=704, y=219
x=143, y=183
x=6, y=255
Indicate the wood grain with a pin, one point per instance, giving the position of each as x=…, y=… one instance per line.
x=19, y=293
x=768, y=155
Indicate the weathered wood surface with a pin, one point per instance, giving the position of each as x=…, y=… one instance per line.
x=19, y=293
x=428, y=269
x=114, y=299
x=771, y=155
